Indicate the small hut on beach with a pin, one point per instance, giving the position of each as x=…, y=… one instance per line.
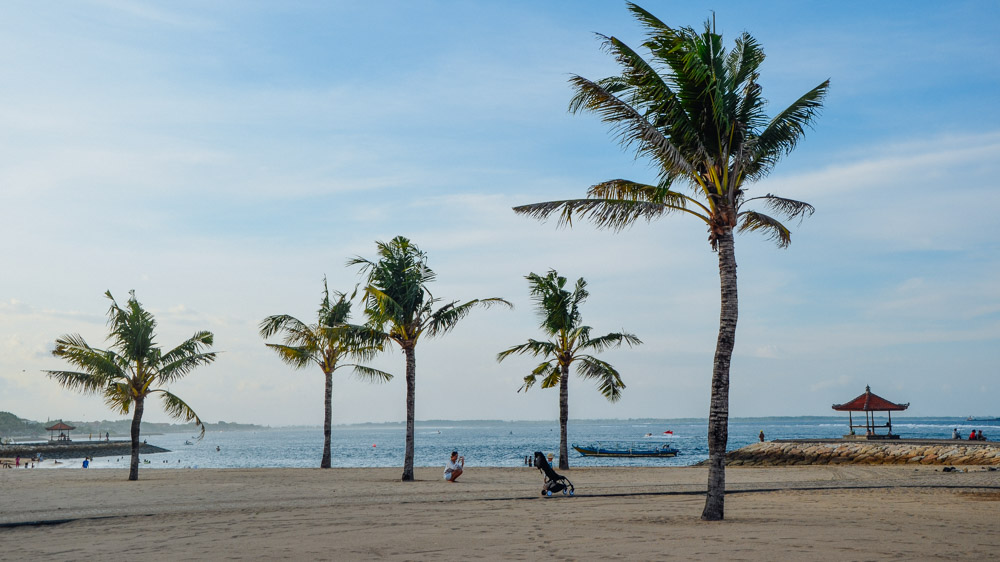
x=63, y=430
x=869, y=404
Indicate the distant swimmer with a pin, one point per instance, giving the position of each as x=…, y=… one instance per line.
x=217, y=449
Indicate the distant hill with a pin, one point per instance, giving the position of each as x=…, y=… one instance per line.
x=13, y=426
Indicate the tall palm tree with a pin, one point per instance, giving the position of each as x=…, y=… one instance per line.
x=569, y=343
x=400, y=306
x=696, y=111
x=132, y=368
x=326, y=343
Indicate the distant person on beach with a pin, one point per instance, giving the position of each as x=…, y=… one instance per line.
x=17, y=461
x=86, y=463
x=454, y=467
x=954, y=434
x=761, y=436
x=107, y=436
x=972, y=436
x=980, y=436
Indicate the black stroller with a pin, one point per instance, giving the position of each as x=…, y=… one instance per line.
x=554, y=482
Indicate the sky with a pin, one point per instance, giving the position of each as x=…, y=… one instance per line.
x=221, y=158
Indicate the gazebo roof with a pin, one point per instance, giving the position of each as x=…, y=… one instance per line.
x=60, y=427
x=869, y=402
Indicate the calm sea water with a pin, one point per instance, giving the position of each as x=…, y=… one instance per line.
x=493, y=443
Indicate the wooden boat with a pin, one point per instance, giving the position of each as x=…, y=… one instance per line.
x=626, y=449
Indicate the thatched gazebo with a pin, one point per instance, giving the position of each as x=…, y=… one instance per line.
x=63, y=430
x=869, y=404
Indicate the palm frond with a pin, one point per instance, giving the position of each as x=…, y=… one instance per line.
x=628, y=125
x=532, y=347
x=543, y=370
x=296, y=331
x=118, y=396
x=786, y=129
x=369, y=374
x=100, y=363
x=182, y=365
x=445, y=318
x=788, y=208
x=551, y=377
x=297, y=357
x=179, y=410
x=646, y=18
x=614, y=215
x=627, y=190
x=86, y=383
x=132, y=328
x=362, y=342
x=193, y=346
x=383, y=309
x=609, y=381
x=610, y=341
x=753, y=221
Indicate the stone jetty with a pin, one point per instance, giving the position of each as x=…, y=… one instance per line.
x=76, y=449
x=788, y=452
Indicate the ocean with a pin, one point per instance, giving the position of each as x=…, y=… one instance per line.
x=492, y=443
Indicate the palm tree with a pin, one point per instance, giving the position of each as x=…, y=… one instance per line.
x=132, y=368
x=569, y=343
x=326, y=343
x=697, y=112
x=400, y=306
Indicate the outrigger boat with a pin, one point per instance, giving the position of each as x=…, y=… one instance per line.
x=626, y=449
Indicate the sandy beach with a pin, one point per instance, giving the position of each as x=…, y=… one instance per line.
x=793, y=513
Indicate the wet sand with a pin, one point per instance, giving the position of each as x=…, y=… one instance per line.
x=791, y=513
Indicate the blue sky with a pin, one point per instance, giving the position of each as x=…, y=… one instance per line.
x=221, y=158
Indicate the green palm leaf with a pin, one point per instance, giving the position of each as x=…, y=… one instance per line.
x=609, y=381
x=370, y=374
x=179, y=410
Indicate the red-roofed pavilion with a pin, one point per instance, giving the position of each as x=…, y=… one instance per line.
x=63, y=430
x=869, y=404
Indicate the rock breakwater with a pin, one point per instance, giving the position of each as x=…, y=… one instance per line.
x=803, y=452
x=76, y=450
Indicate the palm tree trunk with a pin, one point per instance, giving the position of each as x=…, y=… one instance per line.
x=133, y=470
x=411, y=386
x=328, y=420
x=718, y=415
x=563, y=417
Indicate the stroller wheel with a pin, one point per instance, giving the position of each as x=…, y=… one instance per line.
x=571, y=492
x=566, y=492
x=548, y=493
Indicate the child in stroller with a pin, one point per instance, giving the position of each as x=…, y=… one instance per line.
x=554, y=482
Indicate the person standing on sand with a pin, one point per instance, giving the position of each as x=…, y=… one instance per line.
x=454, y=467
x=761, y=436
